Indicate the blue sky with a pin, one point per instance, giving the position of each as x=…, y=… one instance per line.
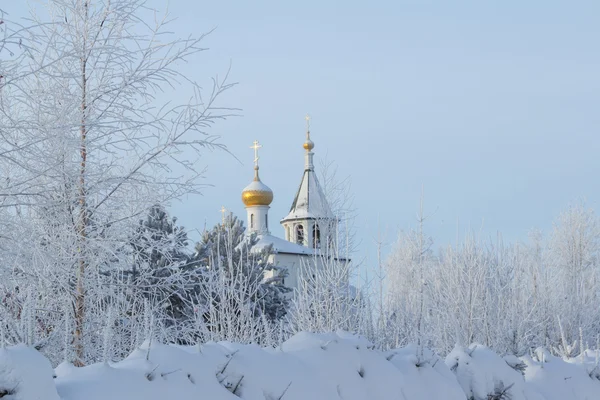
x=492, y=106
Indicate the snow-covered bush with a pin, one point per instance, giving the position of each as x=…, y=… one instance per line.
x=484, y=375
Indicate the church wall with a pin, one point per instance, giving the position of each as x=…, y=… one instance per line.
x=293, y=263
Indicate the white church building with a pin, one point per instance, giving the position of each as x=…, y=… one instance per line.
x=308, y=227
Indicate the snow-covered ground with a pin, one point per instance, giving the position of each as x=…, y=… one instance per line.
x=308, y=366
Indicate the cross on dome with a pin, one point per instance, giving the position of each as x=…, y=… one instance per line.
x=255, y=146
x=257, y=193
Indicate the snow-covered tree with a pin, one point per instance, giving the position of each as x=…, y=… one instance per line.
x=95, y=115
x=325, y=301
x=405, y=269
x=161, y=269
x=574, y=249
x=235, y=301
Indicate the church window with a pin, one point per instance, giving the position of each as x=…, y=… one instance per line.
x=316, y=237
x=300, y=234
x=251, y=221
x=266, y=221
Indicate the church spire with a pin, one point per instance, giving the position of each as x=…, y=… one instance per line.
x=308, y=146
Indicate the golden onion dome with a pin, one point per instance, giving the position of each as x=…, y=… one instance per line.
x=308, y=145
x=257, y=193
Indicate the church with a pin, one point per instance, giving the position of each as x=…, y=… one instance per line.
x=309, y=227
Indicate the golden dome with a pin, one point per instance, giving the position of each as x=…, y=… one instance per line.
x=257, y=193
x=308, y=145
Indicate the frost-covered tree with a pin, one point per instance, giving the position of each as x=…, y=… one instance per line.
x=510, y=320
x=408, y=269
x=161, y=269
x=95, y=116
x=574, y=248
x=510, y=297
x=235, y=302
x=325, y=301
x=405, y=287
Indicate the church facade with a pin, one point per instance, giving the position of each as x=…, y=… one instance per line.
x=309, y=227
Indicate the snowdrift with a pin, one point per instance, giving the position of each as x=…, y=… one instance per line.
x=484, y=375
x=25, y=375
x=308, y=366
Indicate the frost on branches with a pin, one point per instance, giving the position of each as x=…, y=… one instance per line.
x=512, y=298
x=234, y=301
x=88, y=141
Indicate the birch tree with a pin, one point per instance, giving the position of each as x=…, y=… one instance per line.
x=100, y=125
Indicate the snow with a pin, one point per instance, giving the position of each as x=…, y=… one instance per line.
x=481, y=372
x=308, y=366
x=257, y=186
x=280, y=245
x=26, y=375
x=556, y=379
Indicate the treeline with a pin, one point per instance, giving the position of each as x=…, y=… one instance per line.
x=510, y=297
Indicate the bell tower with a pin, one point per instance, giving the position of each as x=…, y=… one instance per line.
x=310, y=222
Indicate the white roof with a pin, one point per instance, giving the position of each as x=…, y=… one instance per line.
x=281, y=245
x=310, y=201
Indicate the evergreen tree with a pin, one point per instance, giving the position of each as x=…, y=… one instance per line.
x=161, y=269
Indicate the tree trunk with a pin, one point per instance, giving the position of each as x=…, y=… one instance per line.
x=83, y=216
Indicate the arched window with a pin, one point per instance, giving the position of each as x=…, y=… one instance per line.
x=300, y=234
x=316, y=236
x=251, y=221
x=266, y=221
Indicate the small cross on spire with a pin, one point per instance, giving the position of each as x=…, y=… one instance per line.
x=255, y=146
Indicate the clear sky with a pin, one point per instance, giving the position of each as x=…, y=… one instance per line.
x=492, y=106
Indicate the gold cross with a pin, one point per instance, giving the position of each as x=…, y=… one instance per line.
x=256, y=146
x=223, y=211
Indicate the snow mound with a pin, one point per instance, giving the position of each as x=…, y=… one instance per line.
x=557, y=379
x=25, y=375
x=154, y=371
x=308, y=366
x=485, y=375
x=425, y=367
